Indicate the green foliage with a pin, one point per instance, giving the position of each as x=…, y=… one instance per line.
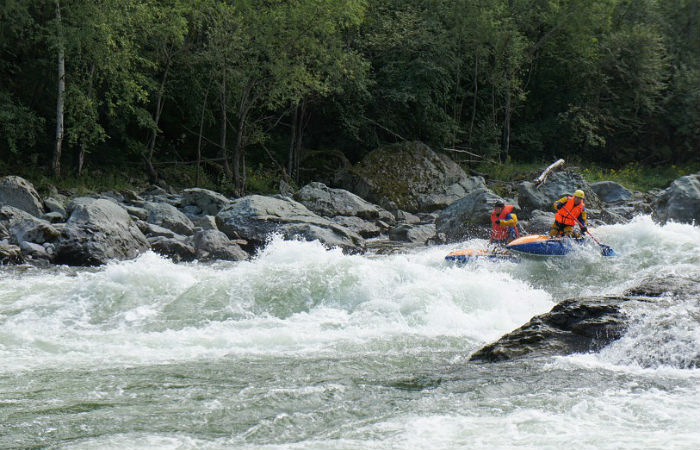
x=258, y=83
x=638, y=177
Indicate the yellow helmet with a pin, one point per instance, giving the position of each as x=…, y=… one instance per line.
x=579, y=193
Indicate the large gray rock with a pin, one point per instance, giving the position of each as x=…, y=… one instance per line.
x=611, y=192
x=173, y=248
x=255, y=217
x=365, y=228
x=417, y=234
x=539, y=222
x=10, y=254
x=98, y=231
x=559, y=184
x=587, y=324
x=209, y=202
x=56, y=206
x=409, y=176
x=680, y=202
x=166, y=215
x=328, y=202
x=214, y=245
x=20, y=193
x=466, y=217
x=204, y=222
x=22, y=226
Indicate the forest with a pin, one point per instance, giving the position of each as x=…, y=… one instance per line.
x=229, y=91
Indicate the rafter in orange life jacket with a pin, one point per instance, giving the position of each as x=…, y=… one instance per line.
x=501, y=232
x=569, y=213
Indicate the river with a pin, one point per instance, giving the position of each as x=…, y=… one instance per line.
x=308, y=348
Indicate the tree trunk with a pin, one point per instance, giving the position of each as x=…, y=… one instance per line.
x=476, y=91
x=292, y=143
x=83, y=147
x=508, y=109
x=238, y=159
x=303, y=121
x=223, y=129
x=201, y=129
x=152, y=173
x=56, y=162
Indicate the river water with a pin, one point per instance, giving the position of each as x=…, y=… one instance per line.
x=308, y=348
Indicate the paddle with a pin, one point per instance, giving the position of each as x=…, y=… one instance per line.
x=606, y=250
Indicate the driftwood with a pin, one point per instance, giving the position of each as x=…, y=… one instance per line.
x=543, y=176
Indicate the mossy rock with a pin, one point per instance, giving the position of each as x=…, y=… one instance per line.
x=411, y=176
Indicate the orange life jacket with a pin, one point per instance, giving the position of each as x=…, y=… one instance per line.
x=499, y=232
x=569, y=213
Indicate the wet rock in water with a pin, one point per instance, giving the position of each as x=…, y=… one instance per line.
x=464, y=218
x=582, y=325
x=680, y=202
x=410, y=176
x=208, y=202
x=98, y=231
x=572, y=326
x=611, y=192
x=255, y=217
x=20, y=193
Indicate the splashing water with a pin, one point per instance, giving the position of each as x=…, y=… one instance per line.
x=304, y=347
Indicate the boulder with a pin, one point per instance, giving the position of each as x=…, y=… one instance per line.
x=98, y=231
x=208, y=202
x=408, y=176
x=407, y=217
x=213, y=245
x=150, y=230
x=539, y=222
x=56, y=206
x=365, y=228
x=34, y=251
x=54, y=217
x=587, y=324
x=611, y=192
x=10, y=254
x=328, y=202
x=20, y=193
x=137, y=212
x=173, y=248
x=255, y=217
x=204, y=222
x=166, y=215
x=559, y=184
x=467, y=216
x=417, y=234
x=680, y=202
x=22, y=226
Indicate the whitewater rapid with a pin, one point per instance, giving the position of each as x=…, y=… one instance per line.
x=309, y=348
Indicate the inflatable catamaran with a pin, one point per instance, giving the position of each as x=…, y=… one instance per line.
x=531, y=245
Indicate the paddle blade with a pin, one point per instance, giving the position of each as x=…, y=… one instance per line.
x=606, y=250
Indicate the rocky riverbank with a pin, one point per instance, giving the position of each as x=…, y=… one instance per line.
x=403, y=193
